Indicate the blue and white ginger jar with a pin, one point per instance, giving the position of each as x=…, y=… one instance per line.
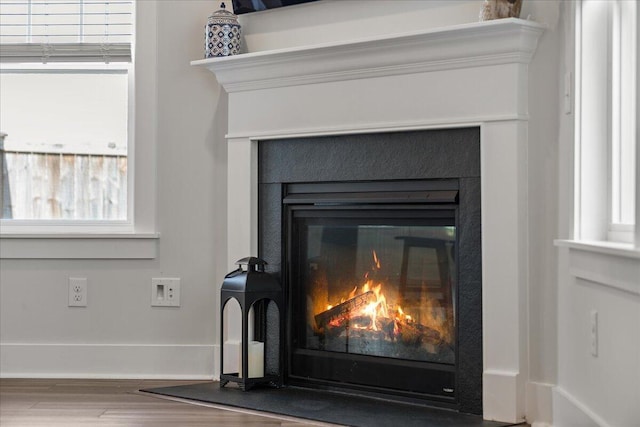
x=222, y=34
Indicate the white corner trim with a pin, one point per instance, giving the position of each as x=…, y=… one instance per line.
x=468, y=45
x=79, y=246
x=113, y=361
x=607, y=264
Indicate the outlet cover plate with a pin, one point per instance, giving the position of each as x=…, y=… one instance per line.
x=77, y=292
x=165, y=292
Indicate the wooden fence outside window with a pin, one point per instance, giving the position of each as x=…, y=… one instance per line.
x=64, y=186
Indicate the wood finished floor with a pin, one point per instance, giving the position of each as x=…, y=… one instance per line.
x=117, y=403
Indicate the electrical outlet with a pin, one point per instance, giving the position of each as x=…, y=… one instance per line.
x=594, y=333
x=165, y=292
x=77, y=291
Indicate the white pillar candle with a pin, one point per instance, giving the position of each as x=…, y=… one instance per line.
x=231, y=356
x=256, y=359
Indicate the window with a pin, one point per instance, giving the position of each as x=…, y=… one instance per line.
x=623, y=117
x=65, y=98
x=606, y=120
x=137, y=236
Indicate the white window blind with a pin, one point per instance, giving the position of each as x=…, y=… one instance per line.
x=66, y=30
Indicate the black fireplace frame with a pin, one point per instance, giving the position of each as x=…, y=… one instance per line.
x=430, y=202
x=443, y=154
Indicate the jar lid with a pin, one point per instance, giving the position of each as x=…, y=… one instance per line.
x=224, y=16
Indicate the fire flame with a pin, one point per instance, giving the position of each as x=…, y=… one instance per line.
x=376, y=260
x=381, y=314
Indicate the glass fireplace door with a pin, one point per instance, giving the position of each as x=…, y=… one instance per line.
x=373, y=291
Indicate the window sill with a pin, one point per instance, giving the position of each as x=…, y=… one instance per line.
x=615, y=265
x=79, y=246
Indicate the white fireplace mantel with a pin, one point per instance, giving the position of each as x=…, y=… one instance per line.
x=461, y=46
x=458, y=76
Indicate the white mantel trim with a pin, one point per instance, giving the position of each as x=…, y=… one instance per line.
x=461, y=46
x=395, y=126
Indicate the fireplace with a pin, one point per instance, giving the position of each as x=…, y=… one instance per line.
x=379, y=254
x=372, y=277
x=470, y=75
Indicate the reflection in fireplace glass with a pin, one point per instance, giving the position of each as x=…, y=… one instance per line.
x=378, y=289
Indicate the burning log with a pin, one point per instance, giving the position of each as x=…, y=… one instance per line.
x=341, y=312
x=412, y=333
x=345, y=325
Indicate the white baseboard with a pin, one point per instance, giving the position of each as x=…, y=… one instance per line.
x=540, y=404
x=569, y=412
x=216, y=362
x=503, y=396
x=116, y=361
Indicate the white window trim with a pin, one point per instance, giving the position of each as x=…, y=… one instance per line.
x=593, y=258
x=592, y=182
x=138, y=239
x=612, y=265
x=636, y=234
x=70, y=226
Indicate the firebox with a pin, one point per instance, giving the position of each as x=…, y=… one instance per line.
x=372, y=282
x=376, y=240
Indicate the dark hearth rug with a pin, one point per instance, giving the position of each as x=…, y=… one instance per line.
x=328, y=407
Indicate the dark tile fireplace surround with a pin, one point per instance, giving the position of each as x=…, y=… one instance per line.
x=449, y=157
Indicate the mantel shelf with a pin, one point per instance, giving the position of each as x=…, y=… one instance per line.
x=469, y=45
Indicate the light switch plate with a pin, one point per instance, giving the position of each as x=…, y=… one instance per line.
x=165, y=292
